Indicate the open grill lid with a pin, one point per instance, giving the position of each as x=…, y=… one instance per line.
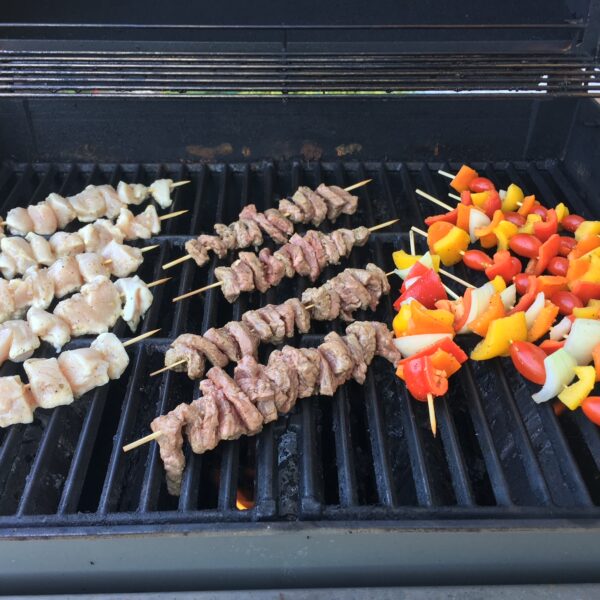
x=390, y=49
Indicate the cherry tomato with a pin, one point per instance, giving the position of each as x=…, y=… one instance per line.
x=566, y=302
x=476, y=260
x=591, y=409
x=521, y=281
x=572, y=222
x=538, y=209
x=525, y=244
x=515, y=218
x=481, y=184
x=558, y=266
x=566, y=245
x=529, y=361
x=558, y=407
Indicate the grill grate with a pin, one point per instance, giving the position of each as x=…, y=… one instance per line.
x=366, y=454
x=287, y=73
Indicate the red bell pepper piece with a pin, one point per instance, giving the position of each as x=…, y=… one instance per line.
x=586, y=290
x=417, y=270
x=527, y=298
x=548, y=250
x=545, y=229
x=428, y=289
x=448, y=217
x=422, y=378
x=505, y=265
x=492, y=204
x=551, y=346
x=515, y=218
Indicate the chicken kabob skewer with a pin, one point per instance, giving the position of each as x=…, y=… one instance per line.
x=94, y=202
x=92, y=311
x=19, y=254
x=303, y=255
x=256, y=394
x=39, y=287
x=305, y=206
x=59, y=381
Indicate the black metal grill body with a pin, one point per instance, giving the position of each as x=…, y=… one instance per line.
x=345, y=490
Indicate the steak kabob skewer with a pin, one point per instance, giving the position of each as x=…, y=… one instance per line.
x=257, y=394
x=305, y=206
x=19, y=254
x=94, y=202
x=303, y=255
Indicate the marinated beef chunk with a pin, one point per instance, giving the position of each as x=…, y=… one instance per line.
x=338, y=356
x=277, y=219
x=366, y=335
x=307, y=367
x=249, y=212
x=312, y=238
x=202, y=429
x=214, y=243
x=258, y=272
x=318, y=204
x=359, y=373
x=309, y=255
x=286, y=263
x=327, y=379
x=230, y=288
x=256, y=236
x=227, y=235
x=350, y=201
x=195, y=362
x=305, y=205
x=251, y=377
x=291, y=211
x=353, y=295
x=361, y=235
x=284, y=380
x=246, y=339
x=286, y=312
x=385, y=343
x=256, y=323
x=242, y=234
x=301, y=315
x=244, y=275
x=225, y=342
x=330, y=248
x=275, y=322
x=296, y=256
x=230, y=426
x=325, y=302
x=197, y=251
x=274, y=269
x=335, y=204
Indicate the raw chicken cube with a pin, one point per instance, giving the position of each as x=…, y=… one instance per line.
x=84, y=368
x=137, y=299
x=132, y=193
x=49, y=386
x=49, y=327
x=62, y=209
x=161, y=192
x=89, y=205
x=23, y=342
x=42, y=287
x=91, y=265
x=18, y=221
x=43, y=218
x=65, y=275
x=42, y=251
x=7, y=302
x=124, y=259
x=20, y=251
x=113, y=351
x=66, y=244
x=8, y=267
x=16, y=402
x=112, y=200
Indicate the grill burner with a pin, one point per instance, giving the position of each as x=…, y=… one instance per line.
x=367, y=454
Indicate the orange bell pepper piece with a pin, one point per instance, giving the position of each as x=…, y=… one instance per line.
x=596, y=357
x=428, y=321
x=436, y=232
x=463, y=216
x=488, y=229
x=527, y=205
x=444, y=361
x=577, y=269
x=550, y=284
x=494, y=311
x=544, y=321
x=584, y=246
x=463, y=178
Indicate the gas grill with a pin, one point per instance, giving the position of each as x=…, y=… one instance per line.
x=352, y=490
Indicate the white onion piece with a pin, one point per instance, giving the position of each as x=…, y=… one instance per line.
x=561, y=329
x=480, y=300
x=477, y=219
x=410, y=282
x=509, y=296
x=411, y=344
x=533, y=312
x=425, y=260
x=559, y=373
x=502, y=194
x=584, y=336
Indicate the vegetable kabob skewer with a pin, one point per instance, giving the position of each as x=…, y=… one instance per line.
x=305, y=206
x=19, y=254
x=94, y=202
x=59, y=381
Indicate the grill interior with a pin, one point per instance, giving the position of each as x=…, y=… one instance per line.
x=367, y=454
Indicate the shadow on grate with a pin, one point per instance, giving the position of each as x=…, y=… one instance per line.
x=365, y=454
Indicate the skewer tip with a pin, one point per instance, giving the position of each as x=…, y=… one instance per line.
x=180, y=183
x=176, y=261
x=168, y=367
x=148, y=248
x=382, y=225
x=198, y=291
x=432, y=419
x=141, y=337
x=142, y=441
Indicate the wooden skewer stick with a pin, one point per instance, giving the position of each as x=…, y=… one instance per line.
x=419, y=231
x=458, y=279
x=446, y=174
x=142, y=441
x=450, y=292
x=168, y=367
x=158, y=282
x=411, y=240
x=173, y=214
x=143, y=336
x=432, y=419
x=454, y=196
x=180, y=183
x=181, y=259
x=220, y=283
x=433, y=199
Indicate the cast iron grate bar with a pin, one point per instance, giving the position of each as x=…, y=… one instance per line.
x=531, y=462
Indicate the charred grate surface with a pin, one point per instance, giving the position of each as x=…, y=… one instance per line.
x=367, y=454
x=30, y=72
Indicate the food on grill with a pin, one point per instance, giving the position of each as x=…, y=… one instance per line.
x=101, y=237
x=351, y=290
x=16, y=401
x=94, y=310
x=305, y=206
x=239, y=405
x=94, y=202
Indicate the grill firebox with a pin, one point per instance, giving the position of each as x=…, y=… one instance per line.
x=365, y=455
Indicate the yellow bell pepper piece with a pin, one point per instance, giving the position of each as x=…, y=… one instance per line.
x=561, y=212
x=594, y=302
x=499, y=284
x=531, y=219
x=586, y=229
x=593, y=273
x=479, y=198
x=451, y=245
x=514, y=195
x=573, y=395
x=587, y=312
x=504, y=231
x=400, y=322
x=403, y=260
x=500, y=334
